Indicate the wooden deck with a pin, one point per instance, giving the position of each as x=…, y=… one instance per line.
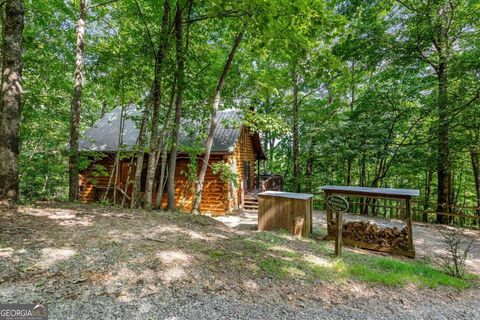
x=265, y=183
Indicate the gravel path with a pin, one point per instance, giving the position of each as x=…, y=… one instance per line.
x=190, y=305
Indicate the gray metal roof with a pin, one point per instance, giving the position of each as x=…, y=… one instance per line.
x=103, y=136
x=373, y=191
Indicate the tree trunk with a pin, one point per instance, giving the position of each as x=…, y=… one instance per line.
x=296, y=134
x=137, y=185
x=426, y=201
x=363, y=182
x=266, y=138
x=127, y=182
x=309, y=167
x=162, y=152
x=161, y=186
x=271, y=151
x=443, y=162
x=476, y=177
x=350, y=158
x=10, y=106
x=363, y=170
x=349, y=171
x=156, y=99
x=76, y=104
x=213, y=122
x=178, y=107
x=116, y=162
x=104, y=109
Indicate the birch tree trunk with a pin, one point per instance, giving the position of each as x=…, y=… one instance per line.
x=178, y=107
x=213, y=122
x=157, y=97
x=76, y=104
x=163, y=142
x=10, y=105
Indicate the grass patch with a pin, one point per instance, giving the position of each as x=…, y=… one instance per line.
x=218, y=254
x=281, y=268
x=393, y=272
x=370, y=269
x=299, y=267
x=278, y=255
x=317, y=262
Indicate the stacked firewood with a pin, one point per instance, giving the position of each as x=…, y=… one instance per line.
x=364, y=231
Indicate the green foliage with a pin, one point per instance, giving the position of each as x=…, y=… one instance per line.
x=367, y=97
x=225, y=172
x=98, y=170
x=271, y=123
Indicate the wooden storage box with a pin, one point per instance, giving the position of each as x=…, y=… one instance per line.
x=285, y=210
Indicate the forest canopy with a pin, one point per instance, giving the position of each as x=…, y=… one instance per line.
x=365, y=93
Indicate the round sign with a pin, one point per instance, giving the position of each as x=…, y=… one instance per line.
x=337, y=203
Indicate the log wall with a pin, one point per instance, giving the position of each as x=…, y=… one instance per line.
x=244, y=152
x=218, y=197
x=214, y=197
x=94, y=176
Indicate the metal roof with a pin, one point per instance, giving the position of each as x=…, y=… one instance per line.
x=373, y=191
x=103, y=136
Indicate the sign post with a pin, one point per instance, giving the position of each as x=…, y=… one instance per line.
x=338, y=205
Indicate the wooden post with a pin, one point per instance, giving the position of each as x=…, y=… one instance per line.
x=298, y=223
x=328, y=213
x=338, y=237
x=311, y=215
x=408, y=212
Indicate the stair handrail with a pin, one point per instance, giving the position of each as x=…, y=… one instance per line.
x=272, y=182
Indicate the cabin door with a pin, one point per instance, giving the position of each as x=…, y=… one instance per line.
x=246, y=175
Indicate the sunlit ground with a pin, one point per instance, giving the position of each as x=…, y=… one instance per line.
x=87, y=251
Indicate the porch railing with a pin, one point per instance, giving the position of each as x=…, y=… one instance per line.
x=271, y=182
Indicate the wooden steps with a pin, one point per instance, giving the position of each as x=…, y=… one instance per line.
x=250, y=202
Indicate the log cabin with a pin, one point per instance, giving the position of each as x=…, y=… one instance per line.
x=234, y=144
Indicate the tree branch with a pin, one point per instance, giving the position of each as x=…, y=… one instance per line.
x=102, y=4
x=146, y=29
